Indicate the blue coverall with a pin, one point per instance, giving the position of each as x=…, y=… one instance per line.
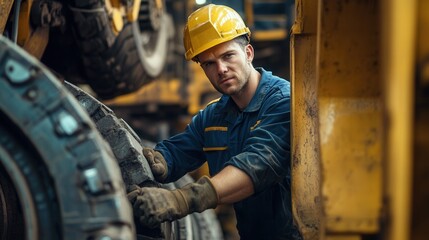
x=255, y=140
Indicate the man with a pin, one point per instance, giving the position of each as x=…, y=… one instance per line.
x=244, y=136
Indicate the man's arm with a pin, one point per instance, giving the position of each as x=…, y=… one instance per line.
x=232, y=185
x=155, y=205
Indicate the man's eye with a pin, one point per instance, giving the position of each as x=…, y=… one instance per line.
x=206, y=65
x=229, y=55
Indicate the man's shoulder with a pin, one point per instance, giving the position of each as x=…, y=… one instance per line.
x=274, y=80
x=279, y=85
x=211, y=108
x=212, y=102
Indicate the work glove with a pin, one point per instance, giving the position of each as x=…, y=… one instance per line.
x=152, y=206
x=157, y=164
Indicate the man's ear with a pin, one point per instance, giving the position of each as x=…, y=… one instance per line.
x=250, y=53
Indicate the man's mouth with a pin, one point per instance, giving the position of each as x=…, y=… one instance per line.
x=224, y=80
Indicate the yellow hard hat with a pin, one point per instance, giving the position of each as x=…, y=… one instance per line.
x=209, y=26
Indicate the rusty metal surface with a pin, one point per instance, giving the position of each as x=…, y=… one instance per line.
x=371, y=77
x=306, y=198
x=350, y=116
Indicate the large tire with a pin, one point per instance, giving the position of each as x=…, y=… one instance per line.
x=59, y=178
x=118, y=64
x=127, y=147
x=125, y=143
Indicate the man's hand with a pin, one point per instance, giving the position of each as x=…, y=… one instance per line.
x=156, y=205
x=157, y=163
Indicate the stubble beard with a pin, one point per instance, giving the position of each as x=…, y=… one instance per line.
x=234, y=89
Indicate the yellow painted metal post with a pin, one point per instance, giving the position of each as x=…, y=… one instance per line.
x=398, y=51
x=306, y=199
x=349, y=97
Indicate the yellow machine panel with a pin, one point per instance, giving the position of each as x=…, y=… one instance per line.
x=360, y=119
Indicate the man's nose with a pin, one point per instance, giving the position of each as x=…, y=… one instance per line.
x=222, y=67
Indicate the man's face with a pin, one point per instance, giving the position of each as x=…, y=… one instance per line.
x=228, y=66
